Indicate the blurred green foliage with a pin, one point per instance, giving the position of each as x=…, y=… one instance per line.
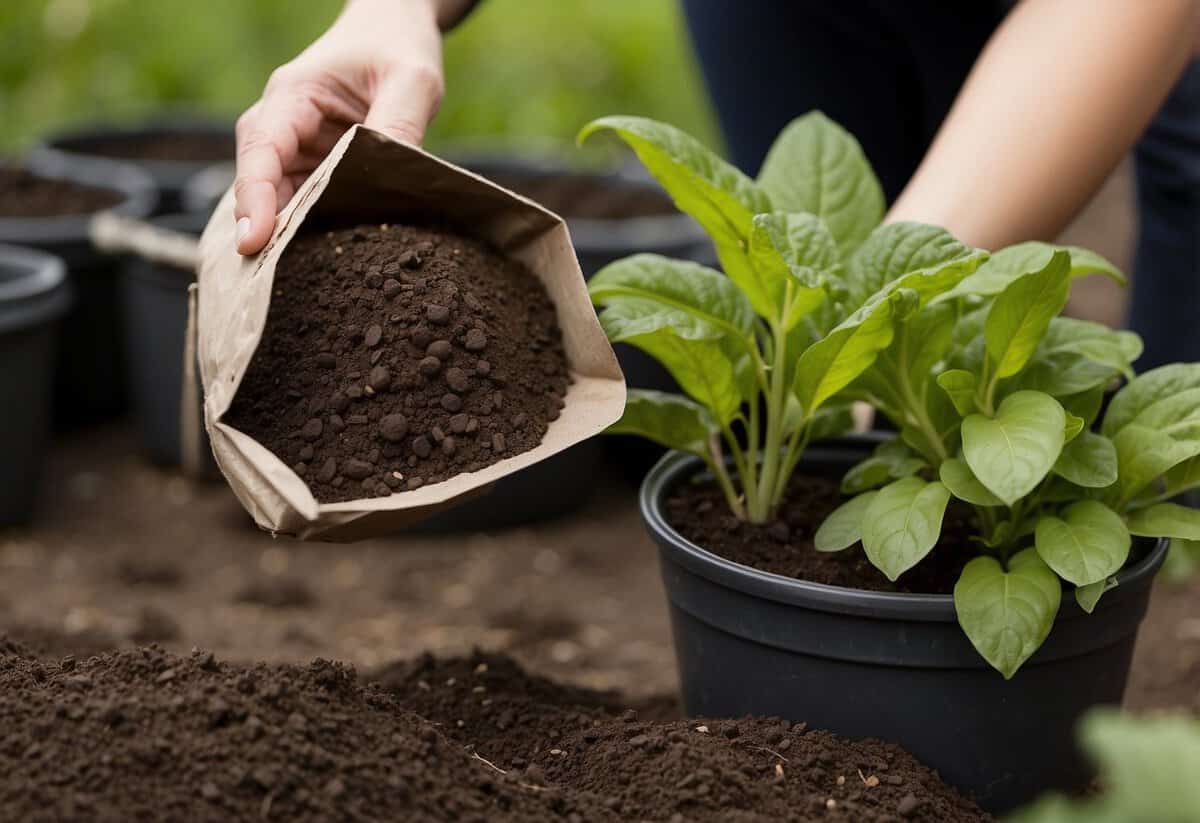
x=517, y=69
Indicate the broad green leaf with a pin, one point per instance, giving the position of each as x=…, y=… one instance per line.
x=957, y=477
x=1007, y=615
x=1086, y=544
x=1085, y=405
x=1074, y=426
x=1183, y=477
x=701, y=367
x=1012, y=452
x=1145, y=455
x=1022, y=312
x=829, y=421
x=1089, y=460
x=926, y=341
x=891, y=460
x=705, y=295
x=960, y=386
x=787, y=250
x=1088, y=596
x=832, y=363
x=668, y=419
x=721, y=198
x=902, y=524
x=1147, y=764
x=818, y=167
x=1146, y=390
x=1177, y=416
x=843, y=527
x=1077, y=355
x=1166, y=520
x=898, y=249
x=1006, y=265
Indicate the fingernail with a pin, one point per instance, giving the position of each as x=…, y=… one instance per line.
x=243, y=228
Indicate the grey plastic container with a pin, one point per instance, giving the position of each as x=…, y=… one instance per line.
x=34, y=295
x=154, y=299
x=89, y=374
x=892, y=666
x=97, y=143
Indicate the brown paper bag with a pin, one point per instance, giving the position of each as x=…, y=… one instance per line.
x=369, y=177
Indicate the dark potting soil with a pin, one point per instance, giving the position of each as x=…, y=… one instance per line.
x=24, y=194
x=175, y=147
x=145, y=734
x=394, y=357
x=650, y=764
x=698, y=512
x=585, y=197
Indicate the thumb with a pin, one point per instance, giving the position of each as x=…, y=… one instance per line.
x=407, y=100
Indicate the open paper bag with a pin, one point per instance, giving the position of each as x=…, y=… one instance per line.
x=369, y=177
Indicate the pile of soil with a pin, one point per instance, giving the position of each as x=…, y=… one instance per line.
x=585, y=197
x=397, y=356
x=785, y=546
x=25, y=194
x=174, y=147
x=144, y=734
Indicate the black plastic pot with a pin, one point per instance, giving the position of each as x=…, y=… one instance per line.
x=123, y=144
x=89, y=375
x=34, y=294
x=892, y=666
x=154, y=298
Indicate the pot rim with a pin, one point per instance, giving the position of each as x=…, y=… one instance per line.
x=140, y=196
x=76, y=142
x=675, y=467
x=39, y=291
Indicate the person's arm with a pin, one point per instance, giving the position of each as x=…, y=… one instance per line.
x=380, y=63
x=1061, y=92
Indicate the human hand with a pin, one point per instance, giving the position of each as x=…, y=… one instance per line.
x=379, y=64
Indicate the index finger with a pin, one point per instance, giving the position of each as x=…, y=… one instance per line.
x=266, y=143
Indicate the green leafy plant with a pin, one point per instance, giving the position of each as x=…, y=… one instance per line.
x=997, y=401
x=1147, y=767
x=812, y=292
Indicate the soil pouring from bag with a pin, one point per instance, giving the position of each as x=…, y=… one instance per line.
x=145, y=734
x=397, y=356
x=24, y=194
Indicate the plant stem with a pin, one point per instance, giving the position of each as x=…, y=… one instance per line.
x=796, y=447
x=917, y=411
x=776, y=408
x=716, y=464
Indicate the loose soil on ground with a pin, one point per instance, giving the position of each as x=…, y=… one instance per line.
x=395, y=356
x=143, y=733
x=24, y=194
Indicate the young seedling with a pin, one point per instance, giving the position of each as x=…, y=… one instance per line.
x=812, y=291
x=997, y=399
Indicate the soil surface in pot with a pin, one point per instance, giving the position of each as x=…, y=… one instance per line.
x=145, y=733
x=698, y=511
x=24, y=194
x=583, y=197
x=175, y=147
x=397, y=356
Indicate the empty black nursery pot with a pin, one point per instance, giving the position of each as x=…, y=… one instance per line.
x=34, y=295
x=154, y=297
x=892, y=666
x=89, y=373
x=170, y=150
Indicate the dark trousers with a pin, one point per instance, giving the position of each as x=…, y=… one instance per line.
x=889, y=71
